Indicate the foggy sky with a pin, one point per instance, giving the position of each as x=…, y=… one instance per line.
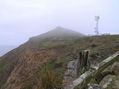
x=21, y=19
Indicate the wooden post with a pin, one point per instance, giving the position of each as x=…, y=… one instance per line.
x=82, y=64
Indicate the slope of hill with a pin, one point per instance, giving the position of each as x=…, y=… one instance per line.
x=21, y=68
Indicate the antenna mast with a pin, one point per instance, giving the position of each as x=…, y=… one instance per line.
x=97, y=23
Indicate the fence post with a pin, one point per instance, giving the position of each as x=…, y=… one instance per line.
x=83, y=62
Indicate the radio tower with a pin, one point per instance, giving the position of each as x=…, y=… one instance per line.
x=97, y=23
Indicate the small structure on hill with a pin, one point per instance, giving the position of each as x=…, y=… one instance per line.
x=97, y=25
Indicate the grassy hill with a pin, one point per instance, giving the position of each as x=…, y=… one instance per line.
x=22, y=67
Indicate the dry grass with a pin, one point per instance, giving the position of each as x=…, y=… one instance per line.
x=50, y=81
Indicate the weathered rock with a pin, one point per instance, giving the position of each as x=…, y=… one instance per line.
x=106, y=85
x=115, y=68
x=70, y=72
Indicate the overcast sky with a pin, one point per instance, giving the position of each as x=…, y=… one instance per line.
x=21, y=19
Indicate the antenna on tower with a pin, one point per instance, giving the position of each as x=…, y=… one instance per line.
x=97, y=23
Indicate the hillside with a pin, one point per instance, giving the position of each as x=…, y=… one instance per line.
x=21, y=67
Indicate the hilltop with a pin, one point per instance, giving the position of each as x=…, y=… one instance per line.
x=59, y=33
x=21, y=67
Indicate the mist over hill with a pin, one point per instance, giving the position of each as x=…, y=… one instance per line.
x=6, y=48
x=59, y=33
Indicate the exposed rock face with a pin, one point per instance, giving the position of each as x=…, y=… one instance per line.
x=115, y=68
x=71, y=72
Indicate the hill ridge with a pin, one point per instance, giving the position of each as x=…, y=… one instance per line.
x=58, y=33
